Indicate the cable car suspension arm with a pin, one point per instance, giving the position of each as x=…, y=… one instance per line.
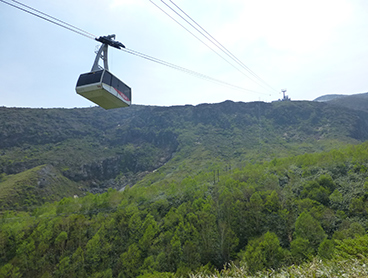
x=102, y=52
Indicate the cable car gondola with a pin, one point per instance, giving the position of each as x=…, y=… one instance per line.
x=101, y=86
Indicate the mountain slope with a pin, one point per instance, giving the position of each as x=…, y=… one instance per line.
x=264, y=216
x=100, y=149
x=35, y=186
x=329, y=97
x=85, y=144
x=239, y=133
x=356, y=101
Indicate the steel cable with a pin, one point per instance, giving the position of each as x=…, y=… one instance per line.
x=214, y=42
x=54, y=18
x=185, y=70
x=49, y=20
x=222, y=47
x=84, y=33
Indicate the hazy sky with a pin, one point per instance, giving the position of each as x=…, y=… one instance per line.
x=312, y=48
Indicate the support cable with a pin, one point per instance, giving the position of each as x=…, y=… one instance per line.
x=194, y=35
x=221, y=46
x=54, y=18
x=214, y=42
x=185, y=70
x=84, y=33
x=50, y=19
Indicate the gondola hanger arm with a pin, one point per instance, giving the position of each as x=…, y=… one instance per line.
x=102, y=52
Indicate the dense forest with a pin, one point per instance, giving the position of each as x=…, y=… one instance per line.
x=222, y=190
x=265, y=216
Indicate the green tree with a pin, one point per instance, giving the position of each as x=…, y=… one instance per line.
x=228, y=241
x=264, y=252
x=357, y=206
x=272, y=202
x=255, y=215
x=97, y=251
x=130, y=262
x=150, y=230
x=326, y=249
x=175, y=254
x=60, y=241
x=308, y=228
x=336, y=199
x=208, y=234
x=63, y=269
x=313, y=190
x=327, y=182
x=77, y=263
x=135, y=228
x=149, y=265
x=352, y=247
x=354, y=230
x=301, y=250
x=27, y=255
x=10, y=271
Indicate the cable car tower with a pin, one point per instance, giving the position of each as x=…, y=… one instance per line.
x=285, y=97
x=100, y=85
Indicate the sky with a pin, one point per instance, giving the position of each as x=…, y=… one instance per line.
x=311, y=48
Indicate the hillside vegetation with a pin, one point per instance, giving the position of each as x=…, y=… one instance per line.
x=33, y=187
x=101, y=149
x=356, y=101
x=214, y=190
x=265, y=215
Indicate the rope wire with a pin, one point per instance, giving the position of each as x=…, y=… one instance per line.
x=54, y=18
x=47, y=19
x=214, y=42
x=222, y=47
x=84, y=33
x=185, y=70
x=193, y=33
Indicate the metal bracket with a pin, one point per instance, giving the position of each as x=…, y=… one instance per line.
x=110, y=40
x=102, y=52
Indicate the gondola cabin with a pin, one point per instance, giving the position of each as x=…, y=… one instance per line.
x=101, y=86
x=104, y=89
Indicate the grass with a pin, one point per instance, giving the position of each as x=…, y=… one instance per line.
x=11, y=185
x=316, y=268
x=35, y=186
